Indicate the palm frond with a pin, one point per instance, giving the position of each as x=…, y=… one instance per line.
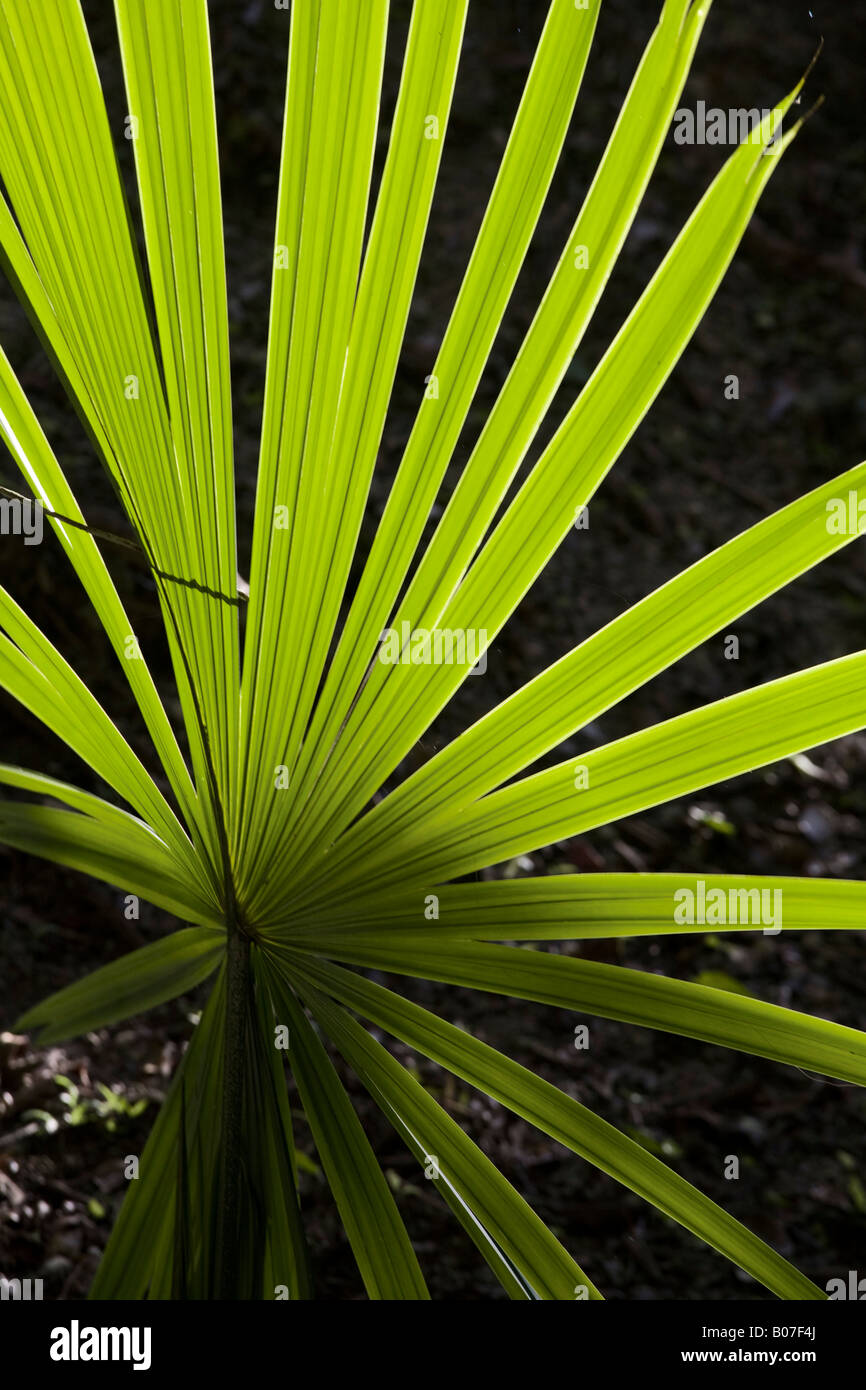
x=253, y=821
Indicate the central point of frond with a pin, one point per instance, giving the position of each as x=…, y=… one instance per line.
x=247, y=930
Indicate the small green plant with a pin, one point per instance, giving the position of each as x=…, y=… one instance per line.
x=82, y=1109
x=263, y=838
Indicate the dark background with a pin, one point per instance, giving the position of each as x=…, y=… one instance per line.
x=788, y=320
